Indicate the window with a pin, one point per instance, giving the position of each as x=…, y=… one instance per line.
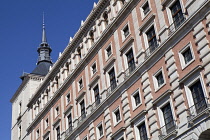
x=159, y=80
x=152, y=40
x=105, y=16
x=113, y=83
x=20, y=107
x=80, y=84
x=82, y=107
x=57, y=111
x=146, y=8
x=116, y=115
x=177, y=14
x=198, y=96
x=125, y=32
x=96, y=94
x=85, y=138
x=168, y=119
x=142, y=131
x=58, y=133
x=135, y=98
x=68, y=98
x=19, y=132
x=37, y=134
x=46, y=123
x=94, y=68
x=79, y=52
x=130, y=59
x=69, y=122
x=108, y=51
x=186, y=56
x=100, y=132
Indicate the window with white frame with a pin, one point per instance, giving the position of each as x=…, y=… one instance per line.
x=135, y=98
x=108, y=51
x=152, y=39
x=82, y=109
x=100, y=131
x=112, y=79
x=93, y=68
x=19, y=131
x=47, y=138
x=116, y=116
x=58, y=136
x=69, y=121
x=159, y=80
x=80, y=83
x=198, y=97
x=96, y=94
x=67, y=98
x=145, y=9
x=186, y=56
x=130, y=60
x=167, y=120
x=57, y=111
x=141, y=130
x=46, y=123
x=37, y=134
x=125, y=32
x=177, y=14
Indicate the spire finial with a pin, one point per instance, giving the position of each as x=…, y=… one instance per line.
x=44, y=38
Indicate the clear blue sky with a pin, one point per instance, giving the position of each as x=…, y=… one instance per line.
x=20, y=35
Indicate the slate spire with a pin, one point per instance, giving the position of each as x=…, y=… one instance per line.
x=44, y=59
x=44, y=50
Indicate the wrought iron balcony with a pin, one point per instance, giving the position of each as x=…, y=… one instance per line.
x=95, y=104
x=150, y=50
x=168, y=129
x=197, y=109
x=68, y=131
x=81, y=118
x=172, y=28
x=111, y=88
x=129, y=70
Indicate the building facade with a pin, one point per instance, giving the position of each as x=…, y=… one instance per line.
x=135, y=70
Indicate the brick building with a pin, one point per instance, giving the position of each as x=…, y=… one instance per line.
x=135, y=70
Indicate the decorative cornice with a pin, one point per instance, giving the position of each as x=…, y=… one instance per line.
x=94, y=80
x=167, y=92
x=117, y=132
x=193, y=71
x=82, y=93
x=126, y=45
x=109, y=64
x=141, y=114
x=68, y=109
x=147, y=22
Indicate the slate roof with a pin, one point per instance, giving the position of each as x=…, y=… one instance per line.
x=42, y=68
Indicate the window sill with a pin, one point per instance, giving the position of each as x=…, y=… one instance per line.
x=145, y=16
x=125, y=38
x=158, y=88
x=117, y=123
x=135, y=108
x=186, y=65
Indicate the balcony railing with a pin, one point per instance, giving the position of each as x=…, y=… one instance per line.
x=95, y=104
x=129, y=70
x=150, y=50
x=81, y=118
x=172, y=28
x=197, y=108
x=111, y=88
x=167, y=129
x=68, y=131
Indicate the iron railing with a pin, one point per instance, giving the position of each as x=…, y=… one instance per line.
x=167, y=128
x=111, y=88
x=68, y=131
x=81, y=118
x=176, y=24
x=129, y=70
x=95, y=104
x=151, y=49
x=197, y=108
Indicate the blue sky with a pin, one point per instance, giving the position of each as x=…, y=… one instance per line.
x=20, y=35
